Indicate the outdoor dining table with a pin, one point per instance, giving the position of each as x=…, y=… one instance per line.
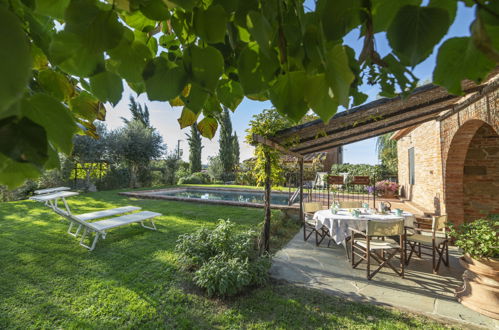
x=338, y=224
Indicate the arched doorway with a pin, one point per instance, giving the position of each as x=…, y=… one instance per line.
x=472, y=173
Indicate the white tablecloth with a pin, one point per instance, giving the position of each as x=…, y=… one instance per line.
x=338, y=224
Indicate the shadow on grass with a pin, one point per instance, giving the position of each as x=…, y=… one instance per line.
x=132, y=279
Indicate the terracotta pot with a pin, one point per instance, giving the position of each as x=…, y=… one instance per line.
x=480, y=290
x=483, y=267
x=388, y=194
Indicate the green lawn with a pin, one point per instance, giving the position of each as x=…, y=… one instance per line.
x=132, y=279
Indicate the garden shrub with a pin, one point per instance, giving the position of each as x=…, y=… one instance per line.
x=195, y=178
x=224, y=261
x=376, y=172
x=479, y=238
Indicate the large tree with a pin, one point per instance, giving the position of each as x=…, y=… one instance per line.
x=135, y=145
x=60, y=60
x=195, y=149
x=138, y=113
x=226, y=145
x=387, y=152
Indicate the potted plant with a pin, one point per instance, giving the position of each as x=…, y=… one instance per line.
x=387, y=189
x=479, y=241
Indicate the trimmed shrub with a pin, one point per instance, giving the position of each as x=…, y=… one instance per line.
x=224, y=261
x=195, y=178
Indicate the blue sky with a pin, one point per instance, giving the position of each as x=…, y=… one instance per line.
x=164, y=117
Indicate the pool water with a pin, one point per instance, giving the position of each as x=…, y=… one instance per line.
x=236, y=196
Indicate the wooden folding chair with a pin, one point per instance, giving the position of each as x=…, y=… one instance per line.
x=309, y=225
x=434, y=239
x=373, y=245
x=350, y=204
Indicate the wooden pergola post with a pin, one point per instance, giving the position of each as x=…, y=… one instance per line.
x=300, y=182
x=265, y=238
x=266, y=200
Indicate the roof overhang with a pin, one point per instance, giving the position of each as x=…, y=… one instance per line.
x=426, y=103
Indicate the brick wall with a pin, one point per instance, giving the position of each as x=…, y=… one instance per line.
x=457, y=133
x=481, y=175
x=426, y=192
x=442, y=150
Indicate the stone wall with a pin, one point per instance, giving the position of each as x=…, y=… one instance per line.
x=426, y=192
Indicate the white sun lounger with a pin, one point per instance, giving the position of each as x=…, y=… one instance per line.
x=99, y=215
x=52, y=199
x=50, y=190
x=99, y=228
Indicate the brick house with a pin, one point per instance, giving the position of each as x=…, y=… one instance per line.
x=450, y=165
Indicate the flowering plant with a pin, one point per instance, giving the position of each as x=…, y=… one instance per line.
x=386, y=186
x=370, y=189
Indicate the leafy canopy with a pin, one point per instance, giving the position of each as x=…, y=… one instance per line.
x=64, y=59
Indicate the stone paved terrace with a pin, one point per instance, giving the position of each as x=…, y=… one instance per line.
x=327, y=269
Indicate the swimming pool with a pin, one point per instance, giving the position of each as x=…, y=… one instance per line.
x=227, y=196
x=236, y=196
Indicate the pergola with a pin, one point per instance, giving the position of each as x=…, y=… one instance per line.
x=369, y=120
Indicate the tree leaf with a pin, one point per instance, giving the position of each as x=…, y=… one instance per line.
x=164, y=80
x=383, y=12
x=56, y=84
x=53, y=8
x=260, y=30
x=187, y=118
x=107, y=86
x=185, y=4
x=338, y=73
x=55, y=118
x=230, y=93
x=86, y=106
x=320, y=97
x=14, y=174
x=23, y=140
x=98, y=29
x=130, y=59
x=15, y=59
x=155, y=10
x=211, y=24
x=212, y=107
x=449, y=5
x=196, y=99
x=338, y=17
x=139, y=21
x=459, y=59
x=204, y=65
x=415, y=31
x=255, y=70
x=287, y=95
x=208, y=127
x=68, y=52
x=40, y=60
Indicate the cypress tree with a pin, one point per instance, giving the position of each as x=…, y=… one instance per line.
x=195, y=148
x=226, y=145
x=235, y=150
x=138, y=113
